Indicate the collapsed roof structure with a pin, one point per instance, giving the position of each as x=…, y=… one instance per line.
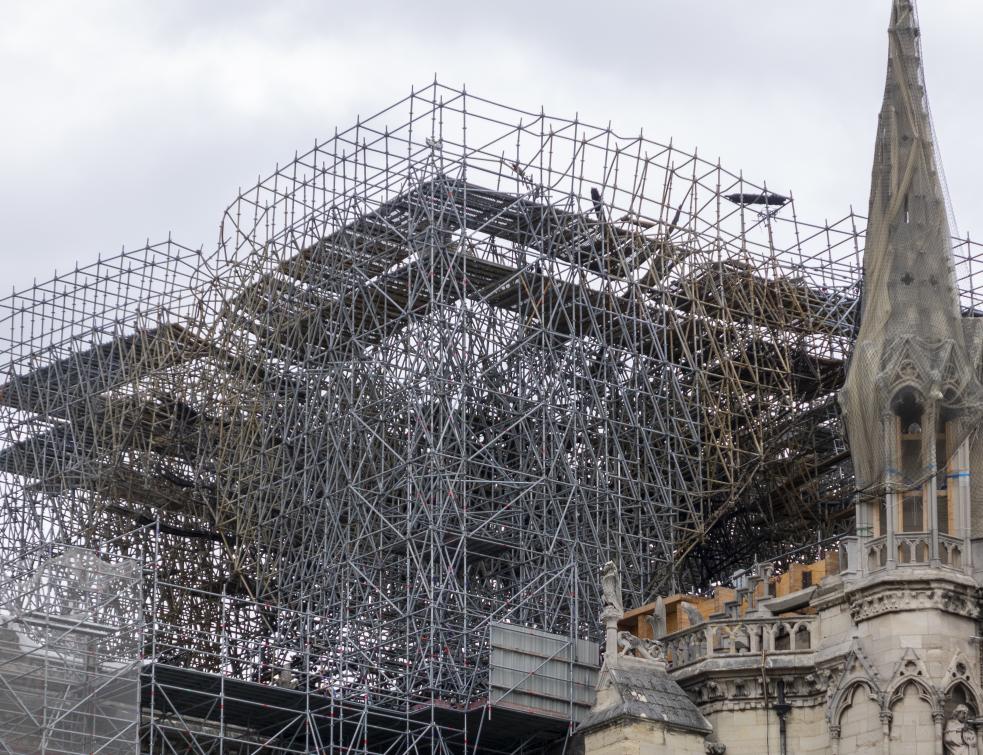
x=439, y=369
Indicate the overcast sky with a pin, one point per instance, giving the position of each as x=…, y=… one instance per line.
x=124, y=120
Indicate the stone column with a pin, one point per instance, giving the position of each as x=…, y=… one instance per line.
x=960, y=491
x=930, y=488
x=939, y=719
x=610, y=617
x=889, y=423
x=866, y=514
x=886, y=732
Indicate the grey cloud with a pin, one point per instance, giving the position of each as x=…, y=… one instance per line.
x=133, y=119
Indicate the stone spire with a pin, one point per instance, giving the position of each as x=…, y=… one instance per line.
x=911, y=334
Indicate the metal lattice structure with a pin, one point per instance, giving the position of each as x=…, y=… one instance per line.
x=70, y=646
x=440, y=368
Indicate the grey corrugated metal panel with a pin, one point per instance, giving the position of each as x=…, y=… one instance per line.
x=551, y=686
x=525, y=701
x=511, y=677
x=534, y=704
x=530, y=641
x=515, y=664
x=534, y=670
x=526, y=661
x=541, y=705
x=585, y=675
x=560, y=693
x=546, y=707
x=528, y=672
x=528, y=666
x=543, y=644
x=506, y=683
x=588, y=652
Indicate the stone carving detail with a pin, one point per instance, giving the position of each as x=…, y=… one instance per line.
x=744, y=693
x=959, y=737
x=863, y=607
x=649, y=650
x=712, y=691
x=716, y=748
x=910, y=666
x=693, y=614
x=813, y=683
x=611, y=588
x=855, y=670
x=911, y=670
x=959, y=672
x=829, y=678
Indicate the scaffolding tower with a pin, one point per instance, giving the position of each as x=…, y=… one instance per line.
x=70, y=647
x=439, y=369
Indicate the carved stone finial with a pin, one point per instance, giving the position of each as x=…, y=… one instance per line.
x=692, y=613
x=657, y=620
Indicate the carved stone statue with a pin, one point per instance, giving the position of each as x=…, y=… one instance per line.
x=656, y=649
x=611, y=587
x=692, y=613
x=657, y=619
x=960, y=736
x=649, y=650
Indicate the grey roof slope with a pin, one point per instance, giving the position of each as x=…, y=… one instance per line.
x=649, y=695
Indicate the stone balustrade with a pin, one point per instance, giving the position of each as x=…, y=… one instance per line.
x=951, y=551
x=914, y=548
x=722, y=638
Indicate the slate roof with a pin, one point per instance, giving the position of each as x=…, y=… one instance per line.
x=648, y=695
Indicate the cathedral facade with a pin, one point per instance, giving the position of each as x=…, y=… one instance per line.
x=877, y=649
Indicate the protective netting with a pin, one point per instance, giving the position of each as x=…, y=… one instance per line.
x=911, y=395
x=70, y=648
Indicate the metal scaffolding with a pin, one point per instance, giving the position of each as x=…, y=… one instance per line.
x=70, y=645
x=440, y=368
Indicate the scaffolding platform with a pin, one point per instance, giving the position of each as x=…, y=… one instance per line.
x=209, y=707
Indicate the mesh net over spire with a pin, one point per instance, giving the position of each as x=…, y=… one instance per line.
x=915, y=351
